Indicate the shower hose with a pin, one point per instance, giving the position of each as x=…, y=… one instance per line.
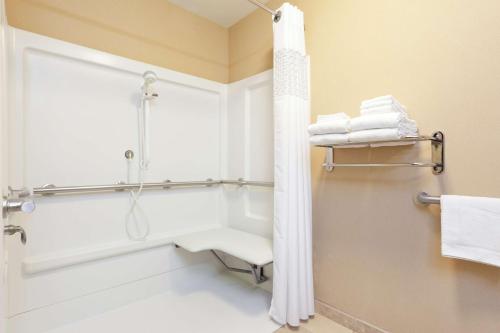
x=136, y=216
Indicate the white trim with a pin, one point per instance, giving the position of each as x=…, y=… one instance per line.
x=3, y=159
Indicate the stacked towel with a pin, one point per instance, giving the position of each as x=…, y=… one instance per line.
x=337, y=123
x=329, y=139
x=382, y=119
x=330, y=129
x=382, y=104
x=380, y=134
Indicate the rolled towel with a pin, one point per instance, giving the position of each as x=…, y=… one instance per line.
x=382, y=134
x=383, y=109
x=328, y=139
x=380, y=101
x=383, y=120
x=337, y=123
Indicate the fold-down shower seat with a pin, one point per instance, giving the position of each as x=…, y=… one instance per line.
x=255, y=250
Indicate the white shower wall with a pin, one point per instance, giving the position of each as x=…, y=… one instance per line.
x=250, y=148
x=73, y=114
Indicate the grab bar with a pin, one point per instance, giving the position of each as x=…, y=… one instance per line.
x=242, y=182
x=425, y=199
x=51, y=189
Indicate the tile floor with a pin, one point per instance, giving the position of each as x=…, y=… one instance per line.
x=318, y=324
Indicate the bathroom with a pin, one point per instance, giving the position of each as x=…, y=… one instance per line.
x=155, y=178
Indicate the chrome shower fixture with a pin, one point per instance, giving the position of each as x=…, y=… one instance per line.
x=149, y=78
x=129, y=154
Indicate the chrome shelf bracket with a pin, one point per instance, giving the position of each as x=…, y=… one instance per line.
x=328, y=164
x=437, y=152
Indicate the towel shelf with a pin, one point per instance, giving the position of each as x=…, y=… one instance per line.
x=437, y=149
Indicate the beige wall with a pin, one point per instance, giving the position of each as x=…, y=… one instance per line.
x=377, y=255
x=152, y=31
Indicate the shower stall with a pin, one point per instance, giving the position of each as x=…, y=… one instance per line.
x=94, y=148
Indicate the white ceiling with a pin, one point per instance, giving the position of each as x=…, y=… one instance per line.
x=222, y=12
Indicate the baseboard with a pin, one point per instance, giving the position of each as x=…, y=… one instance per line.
x=344, y=319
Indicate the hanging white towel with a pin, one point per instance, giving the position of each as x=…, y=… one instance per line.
x=328, y=139
x=385, y=120
x=470, y=228
x=293, y=294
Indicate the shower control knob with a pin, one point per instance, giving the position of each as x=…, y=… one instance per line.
x=129, y=154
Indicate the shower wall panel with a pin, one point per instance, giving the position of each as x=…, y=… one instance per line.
x=250, y=146
x=73, y=114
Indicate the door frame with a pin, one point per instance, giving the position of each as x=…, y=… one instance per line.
x=3, y=160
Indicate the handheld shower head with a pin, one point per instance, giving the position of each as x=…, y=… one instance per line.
x=147, y=92
x=149, y=77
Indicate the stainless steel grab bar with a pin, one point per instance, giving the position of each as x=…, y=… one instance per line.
x=425, y=199
x=51, y=189
x=242, y=182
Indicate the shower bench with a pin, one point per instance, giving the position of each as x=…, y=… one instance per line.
x=256, y=251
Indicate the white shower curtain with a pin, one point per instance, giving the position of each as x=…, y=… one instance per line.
x=293, y=297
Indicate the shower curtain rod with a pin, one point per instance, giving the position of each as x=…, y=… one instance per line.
x=276, y=14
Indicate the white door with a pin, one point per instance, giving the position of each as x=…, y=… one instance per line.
x=3, y=160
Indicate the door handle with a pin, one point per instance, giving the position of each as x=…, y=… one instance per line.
x=24, y=205
x=19, y=200
x=14, y=229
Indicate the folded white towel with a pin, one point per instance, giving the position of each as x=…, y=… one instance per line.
x=383, y=109
x=470, y=228
x=384, y=120
x=328, y=139
x=337, y=123
x=381, y=134
x=379, y=101
x=329, y=127
x=334, y=116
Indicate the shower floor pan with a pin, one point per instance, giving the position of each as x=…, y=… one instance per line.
x=224, y=303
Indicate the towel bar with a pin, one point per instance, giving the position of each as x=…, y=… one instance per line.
x=437, y=151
